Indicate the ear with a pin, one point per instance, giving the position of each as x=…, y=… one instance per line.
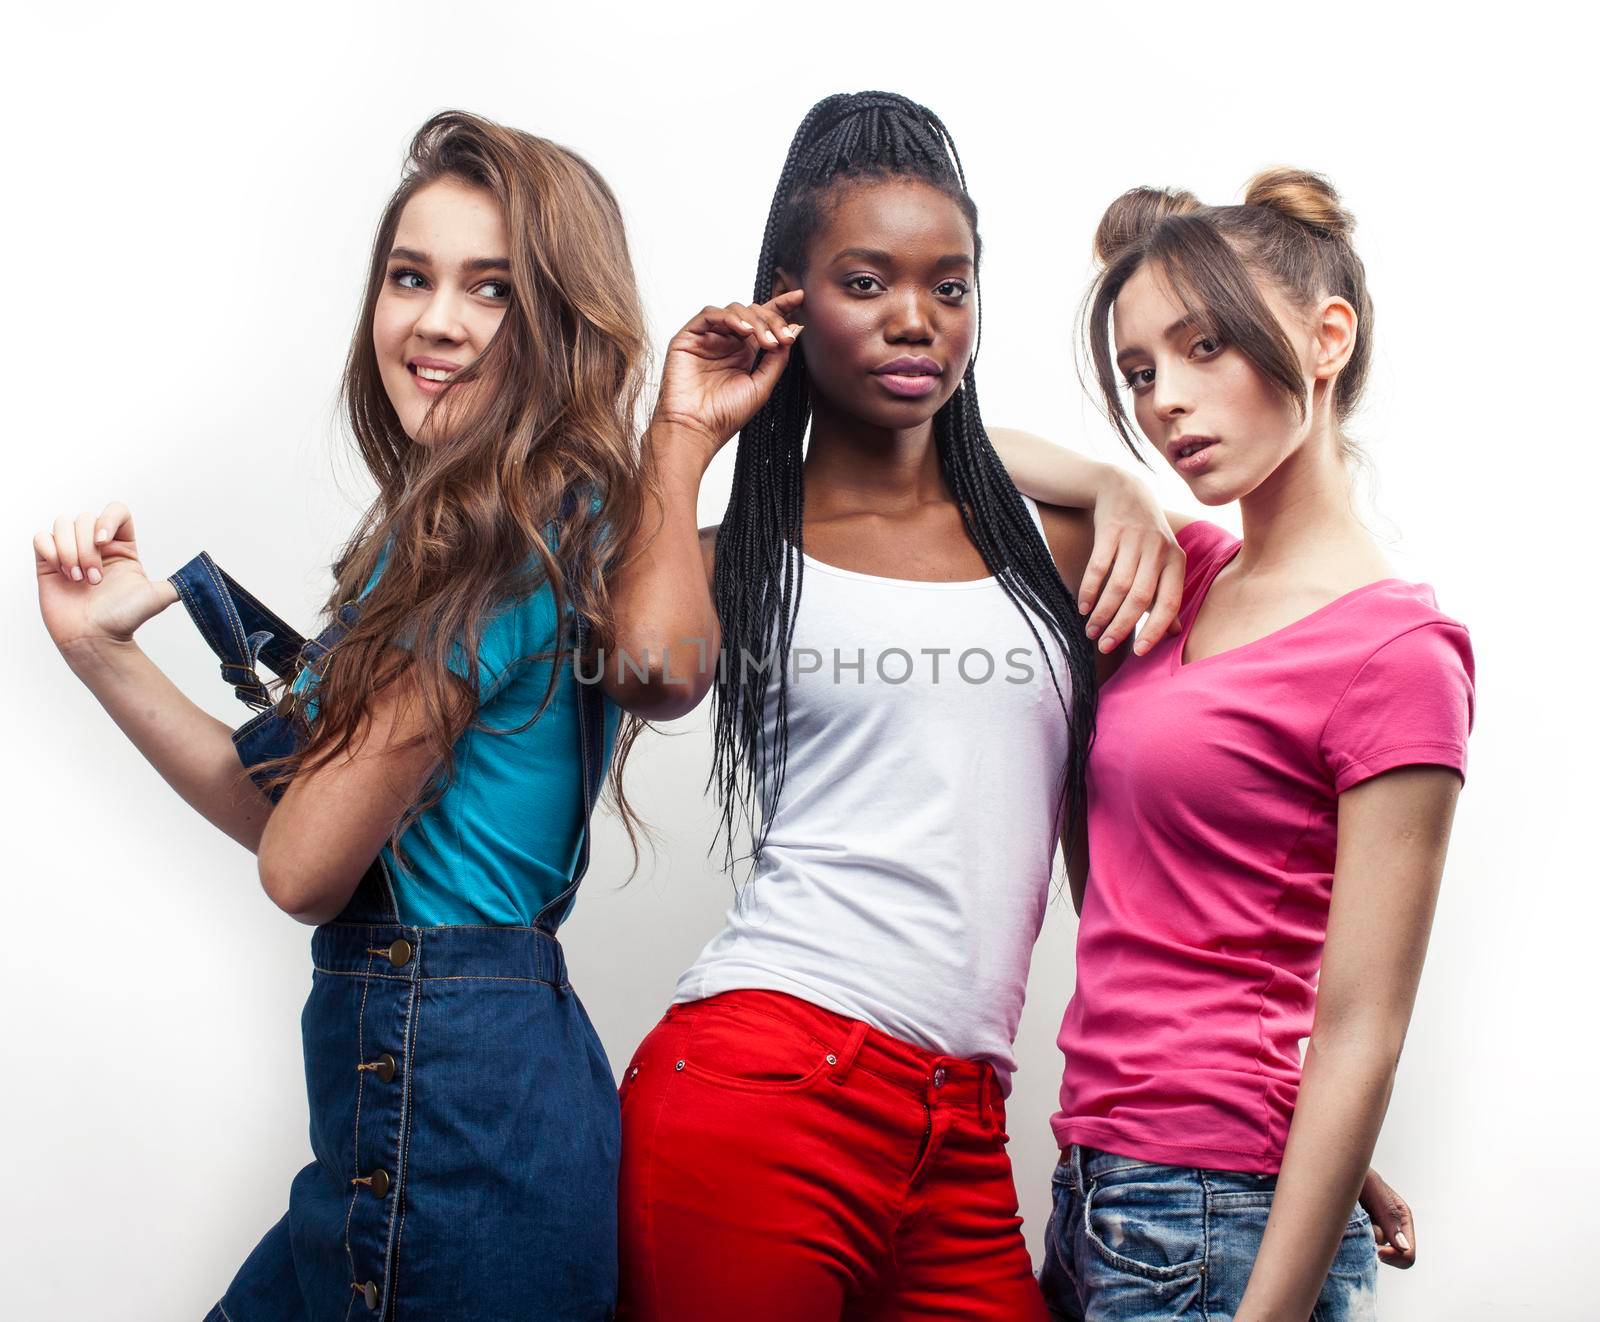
x=1336, y=326
x=782, y=283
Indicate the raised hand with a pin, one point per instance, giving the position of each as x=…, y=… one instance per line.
x=92, y=586
x=724, y=365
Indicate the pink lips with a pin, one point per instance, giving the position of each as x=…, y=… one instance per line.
x=909, y=378
x=1198, y=458
x=437, y=364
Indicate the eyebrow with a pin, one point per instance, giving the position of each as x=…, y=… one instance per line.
x=878, y=257
x=475, y=264
x=1133, y=350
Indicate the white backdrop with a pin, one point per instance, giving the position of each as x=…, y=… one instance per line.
x=192, y=195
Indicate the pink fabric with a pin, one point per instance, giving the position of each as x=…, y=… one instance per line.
x=1212, y=823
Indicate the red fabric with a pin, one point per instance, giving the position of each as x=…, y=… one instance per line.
x=761, y=1180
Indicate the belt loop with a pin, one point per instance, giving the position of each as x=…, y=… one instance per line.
x=985, y=1105
x=847, y=1054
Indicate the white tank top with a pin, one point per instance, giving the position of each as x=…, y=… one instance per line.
x=905, y=875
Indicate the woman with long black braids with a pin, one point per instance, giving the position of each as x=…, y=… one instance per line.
x=816, y=1128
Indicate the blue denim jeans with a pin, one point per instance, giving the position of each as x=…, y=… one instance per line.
x=1132, y=1241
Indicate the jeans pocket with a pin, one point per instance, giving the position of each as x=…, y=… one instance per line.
x=1148, y=1224
x=750, y=1051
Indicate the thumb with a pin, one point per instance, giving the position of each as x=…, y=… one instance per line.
x=772, y=366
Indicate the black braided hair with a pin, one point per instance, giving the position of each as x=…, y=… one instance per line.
x=848, y=137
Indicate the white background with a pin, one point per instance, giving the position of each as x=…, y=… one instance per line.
x=191, y=196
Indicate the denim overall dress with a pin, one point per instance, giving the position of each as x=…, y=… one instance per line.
x=463, y=1114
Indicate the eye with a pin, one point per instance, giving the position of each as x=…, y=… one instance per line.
x=405, y=275
x=863, y=284
x=498, y=290
x=1206, y=346
x=955, y=289
x=1141, y=379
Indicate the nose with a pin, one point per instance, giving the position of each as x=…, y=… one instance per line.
x=1169, y=395
x=910, y=319
x=440, y=317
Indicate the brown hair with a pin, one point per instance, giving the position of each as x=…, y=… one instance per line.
x=539, y=482
x=1290, y=229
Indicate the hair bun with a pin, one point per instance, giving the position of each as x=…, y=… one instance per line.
x=1135, y=214
x=1303, y=197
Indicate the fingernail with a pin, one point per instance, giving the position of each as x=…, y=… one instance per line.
x=94, y=575
x=771, y=338
x=1402, y=1241
x=77, y=574
x=100, y=535
x=1093, y=630
x=747, y=325
x=1141, y=647
x=795, y=331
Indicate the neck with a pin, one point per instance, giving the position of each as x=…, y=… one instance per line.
x=1302, y=512
x=854, y=466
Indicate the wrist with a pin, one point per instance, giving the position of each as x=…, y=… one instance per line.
x=681, y=448
x=96, y=658
x=1110, y=483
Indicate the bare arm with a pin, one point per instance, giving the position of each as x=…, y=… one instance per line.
x=332, y=821
x=663, y=655
x=93, y=595
x=720, y=368
x=1136, y=565
x=1393, y=834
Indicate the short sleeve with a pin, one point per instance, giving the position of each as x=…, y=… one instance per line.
x=1410, y=704
x=1203, y=545
x=521, y=633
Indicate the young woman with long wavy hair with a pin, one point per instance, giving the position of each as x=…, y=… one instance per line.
x=429, y=810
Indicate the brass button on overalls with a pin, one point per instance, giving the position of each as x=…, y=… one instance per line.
x=400, y=952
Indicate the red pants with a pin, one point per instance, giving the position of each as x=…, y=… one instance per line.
x=781, y=1163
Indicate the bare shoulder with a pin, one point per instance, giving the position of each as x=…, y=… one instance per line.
x=1070, y=535
x=708, y=549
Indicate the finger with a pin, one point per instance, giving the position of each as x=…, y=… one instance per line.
x=67, y=548
x=781, y=310
x=770, y=367
x=1135, y=604
x=1117, y=586
x=115, y=524
x=44, y=553
x=1094, y=574
x=1164, y=609
x=88, y=552
x=732, y=321
x=774, y=329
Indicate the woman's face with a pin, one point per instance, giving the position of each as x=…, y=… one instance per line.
x=445, y=293
x=889, y=310
x=1213, y=416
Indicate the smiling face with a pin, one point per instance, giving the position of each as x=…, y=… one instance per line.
x=889, y=312
x=445, y=292
x=1209, y=411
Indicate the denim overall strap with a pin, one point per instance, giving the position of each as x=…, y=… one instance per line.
x=591, y=759
x=239, y=629
x=244, y=634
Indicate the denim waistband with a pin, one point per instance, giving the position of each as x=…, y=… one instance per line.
x=393, y=950
x=929, y=1075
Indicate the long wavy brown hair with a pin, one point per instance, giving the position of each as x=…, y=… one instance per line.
x=537, y=482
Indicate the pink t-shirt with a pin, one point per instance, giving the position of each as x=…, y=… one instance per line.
x=1213, y=806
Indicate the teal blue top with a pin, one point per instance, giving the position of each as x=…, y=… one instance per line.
x=502, y=840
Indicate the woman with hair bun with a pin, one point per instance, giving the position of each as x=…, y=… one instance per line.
x=421, y=791
x=1270, y=791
